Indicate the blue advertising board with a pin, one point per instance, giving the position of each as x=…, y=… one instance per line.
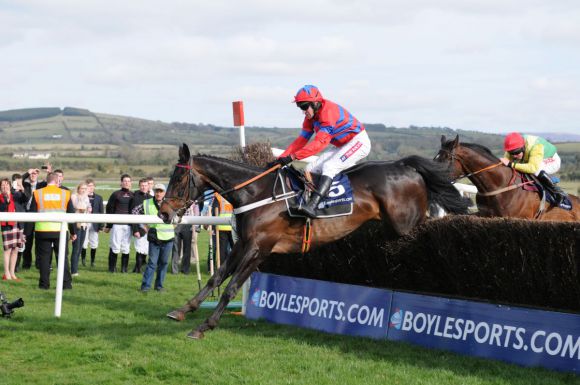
x=326, y=306
x=523, y=336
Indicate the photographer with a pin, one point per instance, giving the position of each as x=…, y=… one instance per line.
x=11, y=200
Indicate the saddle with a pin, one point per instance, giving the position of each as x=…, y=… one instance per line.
x=533, y=184
x=338, y=202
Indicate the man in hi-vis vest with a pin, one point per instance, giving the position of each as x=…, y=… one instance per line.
x=160, y=237
x=51, y=199
x=226, y=240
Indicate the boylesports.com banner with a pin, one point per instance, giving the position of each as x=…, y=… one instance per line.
x=517, y=335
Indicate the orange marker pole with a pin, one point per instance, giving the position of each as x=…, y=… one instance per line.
x=239, y=120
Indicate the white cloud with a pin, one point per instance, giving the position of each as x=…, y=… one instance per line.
x=482, y=64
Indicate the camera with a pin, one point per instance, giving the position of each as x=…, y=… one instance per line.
x=7, y=307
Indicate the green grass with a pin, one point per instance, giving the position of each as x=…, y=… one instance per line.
x=110, y=333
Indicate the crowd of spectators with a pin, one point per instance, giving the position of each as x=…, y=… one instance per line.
x=158, y=248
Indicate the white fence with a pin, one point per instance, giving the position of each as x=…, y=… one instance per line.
x=65, y=219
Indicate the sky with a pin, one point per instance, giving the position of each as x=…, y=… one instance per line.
x=485, y=65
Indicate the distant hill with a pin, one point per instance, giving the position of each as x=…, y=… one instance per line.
x=558, y=137
x=78, y=128
x=81, y=126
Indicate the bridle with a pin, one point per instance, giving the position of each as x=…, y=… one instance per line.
x=187, y=201
x=469, y=173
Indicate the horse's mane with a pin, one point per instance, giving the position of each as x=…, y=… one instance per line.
x=481, y=150
x=236, y=164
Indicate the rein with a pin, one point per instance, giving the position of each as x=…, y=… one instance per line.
x=454, y=156
x=510, y=187
x=251, y=180
x=187, y=203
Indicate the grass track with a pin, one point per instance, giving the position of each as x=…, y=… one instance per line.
x=110, y=333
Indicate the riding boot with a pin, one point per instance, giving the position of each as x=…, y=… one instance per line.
x=84, y=257
x=112, y=261
x=93, y=255
x=309, y=208
x=124, y=262
x=138, y=263
x=549, y=185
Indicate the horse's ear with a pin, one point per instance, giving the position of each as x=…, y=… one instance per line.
x=184, y=153
x=443, y=140
x=456, y=141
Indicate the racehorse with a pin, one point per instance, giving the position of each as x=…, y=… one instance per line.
x=397, y=193
x=499, y=195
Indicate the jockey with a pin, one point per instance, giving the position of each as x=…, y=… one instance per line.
x=533, y=155
x=331, y=124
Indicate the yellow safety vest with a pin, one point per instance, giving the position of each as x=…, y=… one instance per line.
x=225, y=210
x=50, y=199
x=165, y=232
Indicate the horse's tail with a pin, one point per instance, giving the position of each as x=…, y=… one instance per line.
x=439, y=188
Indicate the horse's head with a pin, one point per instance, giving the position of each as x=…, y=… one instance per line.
x=185, y=186
x=448, y=153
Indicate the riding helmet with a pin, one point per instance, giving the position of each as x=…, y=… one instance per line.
x=513, y=140
x=308, y=93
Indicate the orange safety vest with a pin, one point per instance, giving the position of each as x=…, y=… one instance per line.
x=226, y=210
x=50, y=199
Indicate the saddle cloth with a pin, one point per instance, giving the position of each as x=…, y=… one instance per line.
x=566, y=203
x=338, y=202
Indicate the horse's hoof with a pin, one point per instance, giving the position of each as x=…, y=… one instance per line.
x=176, y=315
x=196, y=335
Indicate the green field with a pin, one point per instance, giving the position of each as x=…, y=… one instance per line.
x=110, y=333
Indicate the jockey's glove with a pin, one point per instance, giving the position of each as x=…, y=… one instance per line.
x=283, y=161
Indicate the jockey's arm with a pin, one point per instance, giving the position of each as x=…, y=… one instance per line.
x=534, y=160
x=297, y=144
x=319, y=143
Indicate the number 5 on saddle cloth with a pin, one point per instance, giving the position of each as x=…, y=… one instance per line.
x=339, y=200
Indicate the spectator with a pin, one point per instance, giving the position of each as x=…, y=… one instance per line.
x=222, y=208
x=140, y=243
x=60, y=175
x=11, y=200
x=92, y=237
x=160, y=237
x=151, y=183
x=17, y=186
x=120, y=240
x=82, y=205
x=30, y=184
x=51, y=199
x=185, y=238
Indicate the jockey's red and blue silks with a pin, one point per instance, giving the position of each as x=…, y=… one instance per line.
x=332, y=124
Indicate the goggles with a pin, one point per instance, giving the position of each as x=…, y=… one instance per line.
x=517, y=151
x=304, y=105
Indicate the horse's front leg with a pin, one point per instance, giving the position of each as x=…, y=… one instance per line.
x=219, y=276
x=248, y=264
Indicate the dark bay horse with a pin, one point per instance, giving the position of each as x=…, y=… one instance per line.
x=499, y=195
x=397, y=193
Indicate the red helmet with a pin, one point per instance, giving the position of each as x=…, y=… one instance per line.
x=513, y=141
x=308, y=93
